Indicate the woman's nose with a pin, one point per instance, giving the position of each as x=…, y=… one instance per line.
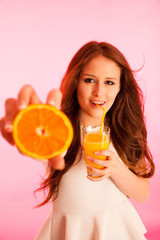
x=98, y=90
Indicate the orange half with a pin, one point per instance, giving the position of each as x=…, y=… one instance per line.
x=42, y=131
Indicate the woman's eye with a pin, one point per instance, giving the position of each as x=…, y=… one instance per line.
x=89, y=80
x=110, y=83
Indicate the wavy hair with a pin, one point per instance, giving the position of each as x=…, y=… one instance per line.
x=125, y=118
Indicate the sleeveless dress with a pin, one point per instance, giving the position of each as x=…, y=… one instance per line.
x=86, y=210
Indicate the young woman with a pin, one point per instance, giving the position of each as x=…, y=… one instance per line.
x=85, y=207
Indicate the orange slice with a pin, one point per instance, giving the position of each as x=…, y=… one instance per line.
x=42, y=131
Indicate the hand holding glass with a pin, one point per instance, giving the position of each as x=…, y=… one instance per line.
x=95, y=140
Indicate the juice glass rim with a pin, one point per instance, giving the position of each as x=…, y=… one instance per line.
x=95, y=129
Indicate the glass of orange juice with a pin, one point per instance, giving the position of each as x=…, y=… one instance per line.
x=95, y=140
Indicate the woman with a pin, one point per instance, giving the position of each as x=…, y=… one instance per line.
x=96, y=208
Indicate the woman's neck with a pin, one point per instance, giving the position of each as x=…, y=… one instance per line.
x=90, y=122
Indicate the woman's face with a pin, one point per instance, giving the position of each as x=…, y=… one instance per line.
x=99, y=83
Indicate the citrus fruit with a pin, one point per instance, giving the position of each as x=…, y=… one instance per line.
x=42, y=131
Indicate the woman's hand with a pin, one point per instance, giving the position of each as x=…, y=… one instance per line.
x=121, y=175
x=26, y=96
x=108, y=166
x=57, y=163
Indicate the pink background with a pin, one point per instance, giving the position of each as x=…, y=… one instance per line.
x=37, y=41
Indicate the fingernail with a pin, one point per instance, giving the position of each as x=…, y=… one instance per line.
x=89, y=167
x=51, y=102
x=90, y=159
x=21, y=106
x=9, y=127
x=97, y=152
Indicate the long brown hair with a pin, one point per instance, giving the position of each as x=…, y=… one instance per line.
x=125, y=117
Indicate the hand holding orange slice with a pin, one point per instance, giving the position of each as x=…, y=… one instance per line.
x=42, y=131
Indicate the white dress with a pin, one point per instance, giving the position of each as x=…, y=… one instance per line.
x=86, y=210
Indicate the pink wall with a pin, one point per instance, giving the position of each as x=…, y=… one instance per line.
x=37, y=40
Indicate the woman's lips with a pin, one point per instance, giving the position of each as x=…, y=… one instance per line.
x=94, y=103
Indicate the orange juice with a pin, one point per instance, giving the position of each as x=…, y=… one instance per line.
x=95, y=142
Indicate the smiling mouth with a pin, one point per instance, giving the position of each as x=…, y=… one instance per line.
x=97, y=103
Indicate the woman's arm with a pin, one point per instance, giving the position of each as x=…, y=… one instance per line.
x=130, y=184
x=135, y=187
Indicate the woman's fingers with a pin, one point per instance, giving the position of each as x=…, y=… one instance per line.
x=54, y=98
x=101, y=173
x=5, y=131
x=26, y=96
x=102, y=163
x=96, y=179
x=96, y=161
x=10, y=113
x=102, y=168
x=107, y=153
